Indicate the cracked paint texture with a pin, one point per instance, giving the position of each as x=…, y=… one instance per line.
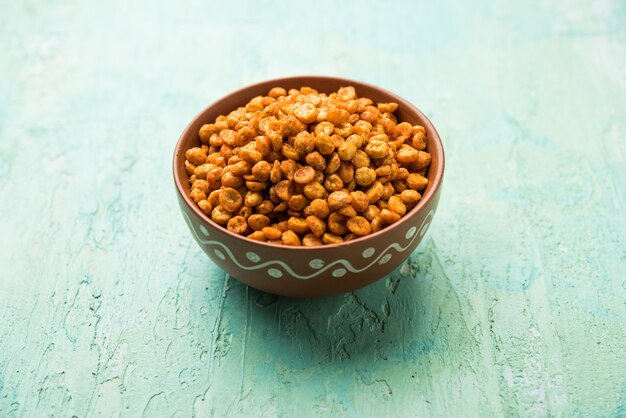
x=512, y=306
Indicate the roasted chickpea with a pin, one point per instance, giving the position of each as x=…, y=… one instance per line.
x=201, y=185
x=272, y=232
x=244, y=211
x=252, y=199
x=220, y=215
x=230, y=199
x=359, y=226
x=371, y=212
x=205, y=206
x=346, y=172
x=375, y=193
x=362, y=127
x=417, y=181
x=290, y=152
x=347, y=151
x=403, y=130
x=276, y=174
x=400, y=186
x=337, y=116
x=346, y=93
x=305, y=112
x=344, y=129
x=377, y=149
x=277, y=92
x=324, y=127
x=197, y=195
x=315, y=190
x=388, y=191
x=281, y=226
x=216, y=159
x=258, y=236
x=333, y=183
x=196, y=156
x=316, y=161
x=377, y=224
x=410, y=197
x=304, y=175
x=265, y=207
x=284, y=190
x=333, y=163
x=304, y=143
x=382, y=171
x=347, y=211
x=316, y=225
x=231, y=180
x=240, y=168
x=214, y=198
x=190, y=168
x=365, y=176
x=320, y=208
x=423, y=160
x=237, y=224
x=356, y=140
x=250, y=155
x=298, y=225
x=359, y=201
x=407, y=155
x=258, y=221
x=310, y=240
x=397, y=205
x=387, y=107
x=337, y=224
x=261, y=171
x=206, y=131
x=290, y=238
x=402, y=174
x=329, y=238
x=338, y=199
x=288, y=167
x=298, y=202
x=256, y=186
x=203, y=170
x=419, y=138
x=268, y=124
x=324, y=143
x=388, y=216
x=369, y=116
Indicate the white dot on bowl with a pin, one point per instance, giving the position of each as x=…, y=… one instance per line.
x=339, y=273
x=204, y=231
x=385, y=259
x=424, y=229
x=316, y=263
x=275, y=273
x=254, y=257
x=368, y=252
x=219, y=254
x=410, y=232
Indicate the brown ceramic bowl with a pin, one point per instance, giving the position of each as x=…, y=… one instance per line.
x=309, y=271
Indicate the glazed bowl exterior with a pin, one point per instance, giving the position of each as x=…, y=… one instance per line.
x=309, y=271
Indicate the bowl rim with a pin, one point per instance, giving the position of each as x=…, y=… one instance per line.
x=431, y=192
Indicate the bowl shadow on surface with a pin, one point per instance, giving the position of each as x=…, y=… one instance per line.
x=397, y=318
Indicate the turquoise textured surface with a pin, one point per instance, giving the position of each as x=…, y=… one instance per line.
x=512, y=306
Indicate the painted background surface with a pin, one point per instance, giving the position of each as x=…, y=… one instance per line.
x=513, y=305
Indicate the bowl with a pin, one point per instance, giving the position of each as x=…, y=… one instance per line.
x=309, y=271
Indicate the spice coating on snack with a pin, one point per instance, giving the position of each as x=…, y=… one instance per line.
x=300, y=167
